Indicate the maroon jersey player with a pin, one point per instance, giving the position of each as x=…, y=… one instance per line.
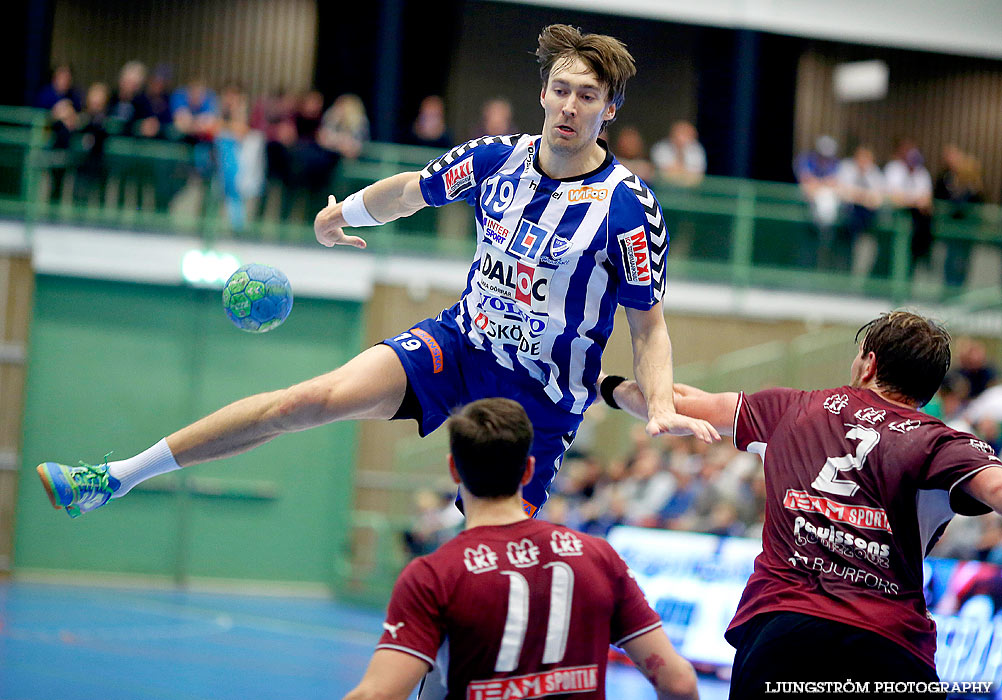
x=514, y=607
x=860, y=484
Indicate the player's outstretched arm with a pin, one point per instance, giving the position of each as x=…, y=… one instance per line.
x=986, y=486
x=716, y=409
x=379, y=203
x=672, y=676
x=391, y=675
x=652, y=364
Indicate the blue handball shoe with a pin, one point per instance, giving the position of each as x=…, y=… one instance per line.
x=78, y=490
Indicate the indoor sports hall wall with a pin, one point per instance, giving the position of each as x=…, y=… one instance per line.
x=116, y=366
x=261, y=43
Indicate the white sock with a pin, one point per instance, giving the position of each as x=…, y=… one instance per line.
x=145, y=465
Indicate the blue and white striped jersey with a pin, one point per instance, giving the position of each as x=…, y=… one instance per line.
x=554, y=258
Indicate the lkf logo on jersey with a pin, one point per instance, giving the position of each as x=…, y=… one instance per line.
x=480, y=560
x=523, y=554
x=587, y=193
x=528, y=240
x=459, y=178
x=566, y=544
x=860, y=516
x=870, y=415
x=636, y=257
x=904, y=426
x=982, y=446
x=836, y=403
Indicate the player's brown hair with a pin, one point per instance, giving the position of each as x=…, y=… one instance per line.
x=605, y=56
x=490, y=440
x=913, y=353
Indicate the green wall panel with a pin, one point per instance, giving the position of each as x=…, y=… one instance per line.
x=117, y=367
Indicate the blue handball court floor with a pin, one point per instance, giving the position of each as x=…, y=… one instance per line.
x=90, y=643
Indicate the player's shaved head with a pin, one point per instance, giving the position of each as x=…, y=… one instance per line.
x=490, y=440
x=605, y=56
x=913, y=353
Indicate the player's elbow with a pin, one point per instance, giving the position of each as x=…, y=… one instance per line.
x=680, y=685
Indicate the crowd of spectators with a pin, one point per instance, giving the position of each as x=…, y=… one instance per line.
x=282, y=146
x=238, y=145
x=846, y=195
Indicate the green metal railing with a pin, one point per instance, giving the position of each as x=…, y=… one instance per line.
x=728, y=230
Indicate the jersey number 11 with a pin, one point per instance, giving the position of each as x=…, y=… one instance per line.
x=517, y=620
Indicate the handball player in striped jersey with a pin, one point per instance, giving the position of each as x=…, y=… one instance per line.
x=514, y=607
x=565, y=234
x=860, y=485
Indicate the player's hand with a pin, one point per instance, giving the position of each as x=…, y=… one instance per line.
x=328, y=227
x=677, y=424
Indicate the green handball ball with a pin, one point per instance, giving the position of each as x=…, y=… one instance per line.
x=257, y=298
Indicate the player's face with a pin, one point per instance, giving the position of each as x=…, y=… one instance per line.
x=575, y=104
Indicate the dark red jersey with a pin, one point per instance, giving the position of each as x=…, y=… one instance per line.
x=525, y=610
x=858, y=491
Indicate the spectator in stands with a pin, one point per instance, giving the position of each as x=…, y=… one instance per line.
x=495, y=119
x=951, y=402
x=275, y=116
x=130, y=111
x=909, y=187
x=62, y=100
x=429, y=127
x=631, y=152
x=816, y=171
x=239, y=155
x=310, y=163
x=195, y=110
x=973, y=365
x=958, y=187
x=438, y=521
x=91, y=175
x=680, y=158
x=344, y=129
x=861, y=189
x=60, y=88
x=158, y=91
x=647, y=487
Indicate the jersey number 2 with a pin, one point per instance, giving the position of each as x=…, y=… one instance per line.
x=827, y=480
x=517, y=620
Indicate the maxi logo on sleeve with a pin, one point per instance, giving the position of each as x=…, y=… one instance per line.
x=636, y=257
x=860, y=516
x=459, y=178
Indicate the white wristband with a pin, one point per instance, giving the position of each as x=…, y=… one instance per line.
x=354, y=212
